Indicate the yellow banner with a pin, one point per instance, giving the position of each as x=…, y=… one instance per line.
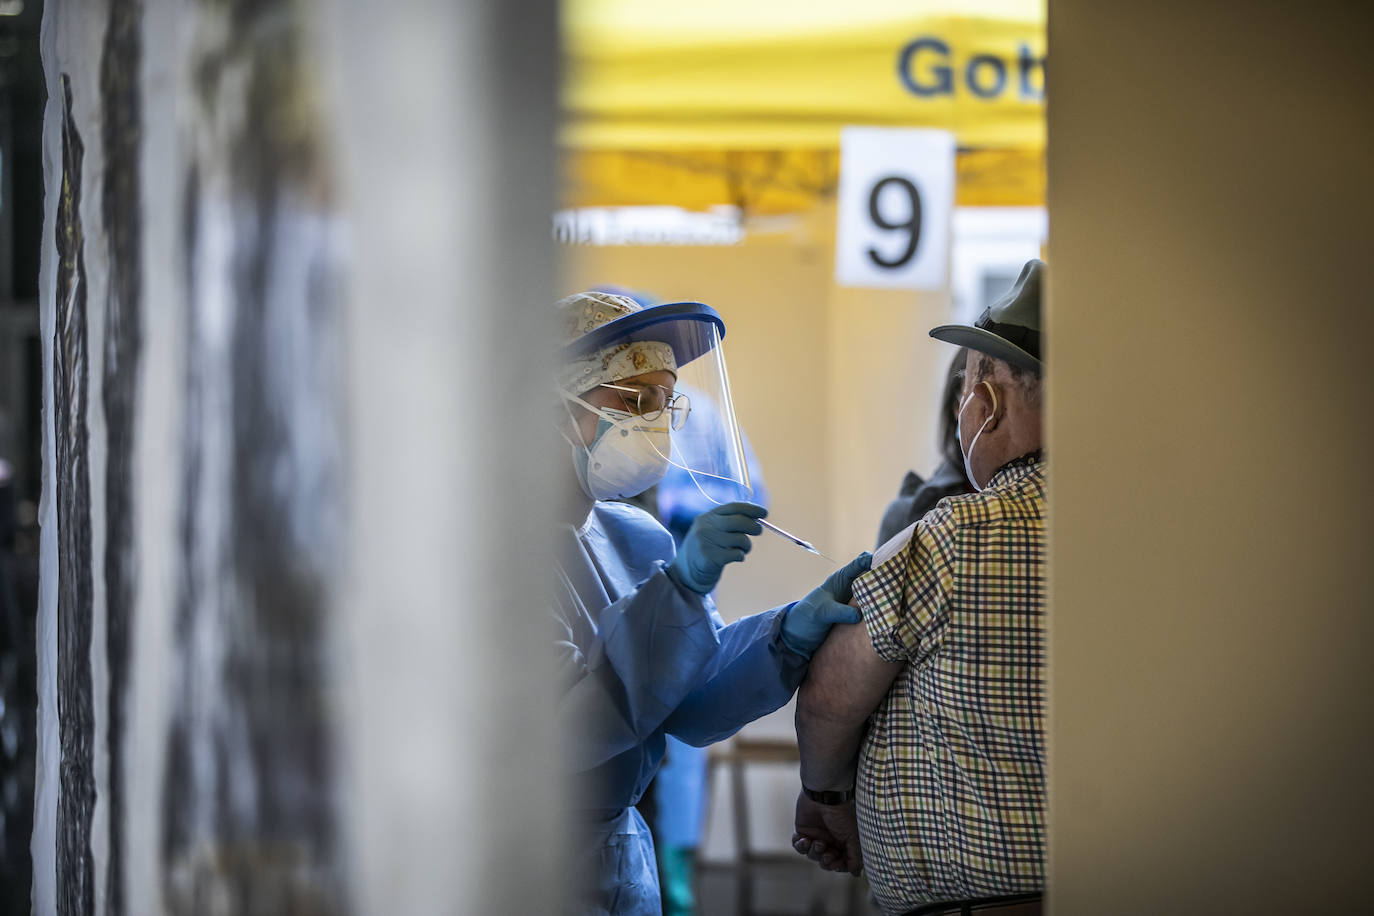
x=717, y=75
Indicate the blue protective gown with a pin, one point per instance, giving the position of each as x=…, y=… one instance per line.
x=642, y=658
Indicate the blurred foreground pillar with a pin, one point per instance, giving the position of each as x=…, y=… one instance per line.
x=294, y=260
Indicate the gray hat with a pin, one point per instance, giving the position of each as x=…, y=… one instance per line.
x=1009, y=329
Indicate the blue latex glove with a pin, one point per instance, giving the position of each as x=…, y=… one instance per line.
x=810, y=619
x=716, y=537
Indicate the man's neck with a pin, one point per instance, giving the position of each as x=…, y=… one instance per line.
x=1024, y=440
x=1025, y=432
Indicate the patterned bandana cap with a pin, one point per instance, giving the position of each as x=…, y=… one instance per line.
x=582, y=313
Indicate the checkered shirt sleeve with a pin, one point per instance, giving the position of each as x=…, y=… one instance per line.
x=905, y=601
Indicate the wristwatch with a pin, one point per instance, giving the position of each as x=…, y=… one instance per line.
x=829, y=797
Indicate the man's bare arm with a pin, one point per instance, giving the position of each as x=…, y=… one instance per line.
x=846, y=681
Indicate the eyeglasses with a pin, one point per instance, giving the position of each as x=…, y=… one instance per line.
x=650, y=401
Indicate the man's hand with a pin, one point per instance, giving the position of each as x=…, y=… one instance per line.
x=828, y=835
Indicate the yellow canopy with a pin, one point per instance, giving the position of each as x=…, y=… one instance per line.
x=736, y=74
x=742, y=101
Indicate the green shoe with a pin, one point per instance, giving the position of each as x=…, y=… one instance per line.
x=677, y=867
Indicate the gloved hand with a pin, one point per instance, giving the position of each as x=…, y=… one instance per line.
x=810, y=619
x=716, y=537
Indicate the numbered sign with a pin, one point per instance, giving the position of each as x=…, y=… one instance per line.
x=895, y=201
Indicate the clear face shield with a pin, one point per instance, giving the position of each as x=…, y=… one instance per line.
x=707, y=447
x=690, y=428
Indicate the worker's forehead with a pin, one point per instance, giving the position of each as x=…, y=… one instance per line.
x=658, y=377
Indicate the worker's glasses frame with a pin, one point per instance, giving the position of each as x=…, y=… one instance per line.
x=650, y=402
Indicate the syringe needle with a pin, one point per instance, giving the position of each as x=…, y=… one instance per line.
x=804, y=545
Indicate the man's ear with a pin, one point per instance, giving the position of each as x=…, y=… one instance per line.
x=994, y=404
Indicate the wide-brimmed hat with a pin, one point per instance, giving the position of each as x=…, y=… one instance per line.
x=1009, y=329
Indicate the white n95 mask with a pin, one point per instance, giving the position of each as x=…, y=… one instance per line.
x=628, y=456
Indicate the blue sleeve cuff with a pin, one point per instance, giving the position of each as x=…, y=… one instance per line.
x=781, y=636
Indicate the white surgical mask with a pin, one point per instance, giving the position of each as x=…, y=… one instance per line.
x=628, y=455
x=959, y=431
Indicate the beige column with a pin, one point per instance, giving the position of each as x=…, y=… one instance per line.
x=1210, y=383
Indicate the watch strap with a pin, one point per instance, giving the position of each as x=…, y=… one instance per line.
x=829, y=796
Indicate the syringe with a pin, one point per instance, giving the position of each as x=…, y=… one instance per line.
x=804, y=545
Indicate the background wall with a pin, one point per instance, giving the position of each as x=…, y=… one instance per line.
x=1212, y=585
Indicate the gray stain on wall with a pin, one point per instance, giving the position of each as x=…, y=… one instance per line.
x=249, y=808
x=76, y=722
x=120, y=212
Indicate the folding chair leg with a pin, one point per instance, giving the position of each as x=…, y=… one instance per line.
x=744, y=901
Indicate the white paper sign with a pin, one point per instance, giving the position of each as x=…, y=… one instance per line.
x=895, y=201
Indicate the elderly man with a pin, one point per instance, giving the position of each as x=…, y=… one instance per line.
x=922, y=729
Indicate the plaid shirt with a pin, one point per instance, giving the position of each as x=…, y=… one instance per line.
x=951, y=782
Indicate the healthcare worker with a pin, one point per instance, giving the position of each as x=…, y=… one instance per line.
x=643, y=652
